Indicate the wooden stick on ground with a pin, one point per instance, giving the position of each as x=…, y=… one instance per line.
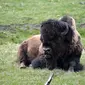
x=49, y=80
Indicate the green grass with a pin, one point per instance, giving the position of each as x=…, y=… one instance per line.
x=34, y=12
x=82, y=33
x=16, y=36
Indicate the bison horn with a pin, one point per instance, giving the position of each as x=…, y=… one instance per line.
x=66, y=30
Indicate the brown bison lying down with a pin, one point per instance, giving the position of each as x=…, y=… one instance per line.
x=29, y=50
x=59, y=47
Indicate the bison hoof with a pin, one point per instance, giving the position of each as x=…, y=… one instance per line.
x=22, y=65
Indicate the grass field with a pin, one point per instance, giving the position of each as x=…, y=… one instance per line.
x=34, y=12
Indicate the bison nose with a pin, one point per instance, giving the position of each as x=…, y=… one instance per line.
x=47, y=50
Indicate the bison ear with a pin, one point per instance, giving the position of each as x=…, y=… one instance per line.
x=70, y=20
x=66, y=29
x=69, y=35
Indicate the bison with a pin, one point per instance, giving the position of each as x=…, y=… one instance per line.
x=32, y=51
x=61, y=48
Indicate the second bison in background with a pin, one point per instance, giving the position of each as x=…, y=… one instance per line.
x=61, y=49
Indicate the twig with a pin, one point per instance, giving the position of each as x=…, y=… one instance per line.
x=49, y=80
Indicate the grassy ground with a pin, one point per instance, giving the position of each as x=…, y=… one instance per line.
x=32, y=12
x=16, y=36
x=35, y=11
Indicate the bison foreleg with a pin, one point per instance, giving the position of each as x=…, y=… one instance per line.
x=72, y=65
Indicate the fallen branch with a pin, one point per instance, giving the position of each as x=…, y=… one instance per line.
x=49, y=80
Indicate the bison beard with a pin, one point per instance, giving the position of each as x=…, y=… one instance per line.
x=65, y=52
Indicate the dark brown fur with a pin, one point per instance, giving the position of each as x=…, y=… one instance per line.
x=66, y=51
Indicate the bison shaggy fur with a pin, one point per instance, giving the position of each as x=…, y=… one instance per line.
x=61, y=49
